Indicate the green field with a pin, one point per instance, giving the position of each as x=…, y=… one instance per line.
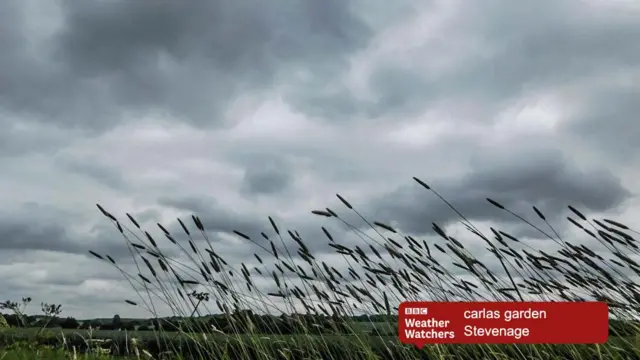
x=32, y=342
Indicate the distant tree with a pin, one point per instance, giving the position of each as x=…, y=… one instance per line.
x=143, y=328
x=166, y=324
x=30, y=320
x=40, y=323
x=219, y=323
x=69, y=323
x=284, y=325
x=95, y=324
x=116, y=323
x=54, y=322
x=13, y=320
x=171, y=325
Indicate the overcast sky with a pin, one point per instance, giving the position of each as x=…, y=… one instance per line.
x=237, y=110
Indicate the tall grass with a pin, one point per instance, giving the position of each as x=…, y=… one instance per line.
x=383, y=269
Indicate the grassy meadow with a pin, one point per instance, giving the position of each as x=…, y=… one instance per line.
x=313, y=310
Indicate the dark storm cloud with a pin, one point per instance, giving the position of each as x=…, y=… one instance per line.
x=516, y=179
x=38, y=227
x=23, y=233
x=187, y=58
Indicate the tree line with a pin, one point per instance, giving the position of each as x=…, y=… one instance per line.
x=243, y=321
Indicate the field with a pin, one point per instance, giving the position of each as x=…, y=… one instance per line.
x=616, y=348
x=350, y=312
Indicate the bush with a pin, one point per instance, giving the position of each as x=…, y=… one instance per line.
x=3, y=323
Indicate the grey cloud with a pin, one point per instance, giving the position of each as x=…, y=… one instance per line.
x=217, y=219
x=36, y=227
x=214, y=217
x=189, y=58
x=149, y=215
x=28, y=136
x=544, y=44
x=267, y=178
x=110, y=177
x=517, y=180
x=397, y=91
x=522, y=49
x=22, y=234
x=73, y=303
x=609, y=121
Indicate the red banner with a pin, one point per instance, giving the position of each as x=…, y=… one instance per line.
x=422, y=323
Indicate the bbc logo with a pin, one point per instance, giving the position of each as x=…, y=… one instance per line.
x=416, y=311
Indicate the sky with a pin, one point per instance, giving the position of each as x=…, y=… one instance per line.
x=239, y=110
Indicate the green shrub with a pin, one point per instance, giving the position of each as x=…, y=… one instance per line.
x=3, y=323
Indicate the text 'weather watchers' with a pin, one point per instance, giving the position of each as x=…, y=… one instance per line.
x=422, y=323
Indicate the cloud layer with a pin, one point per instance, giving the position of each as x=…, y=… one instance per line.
x=237, y=110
